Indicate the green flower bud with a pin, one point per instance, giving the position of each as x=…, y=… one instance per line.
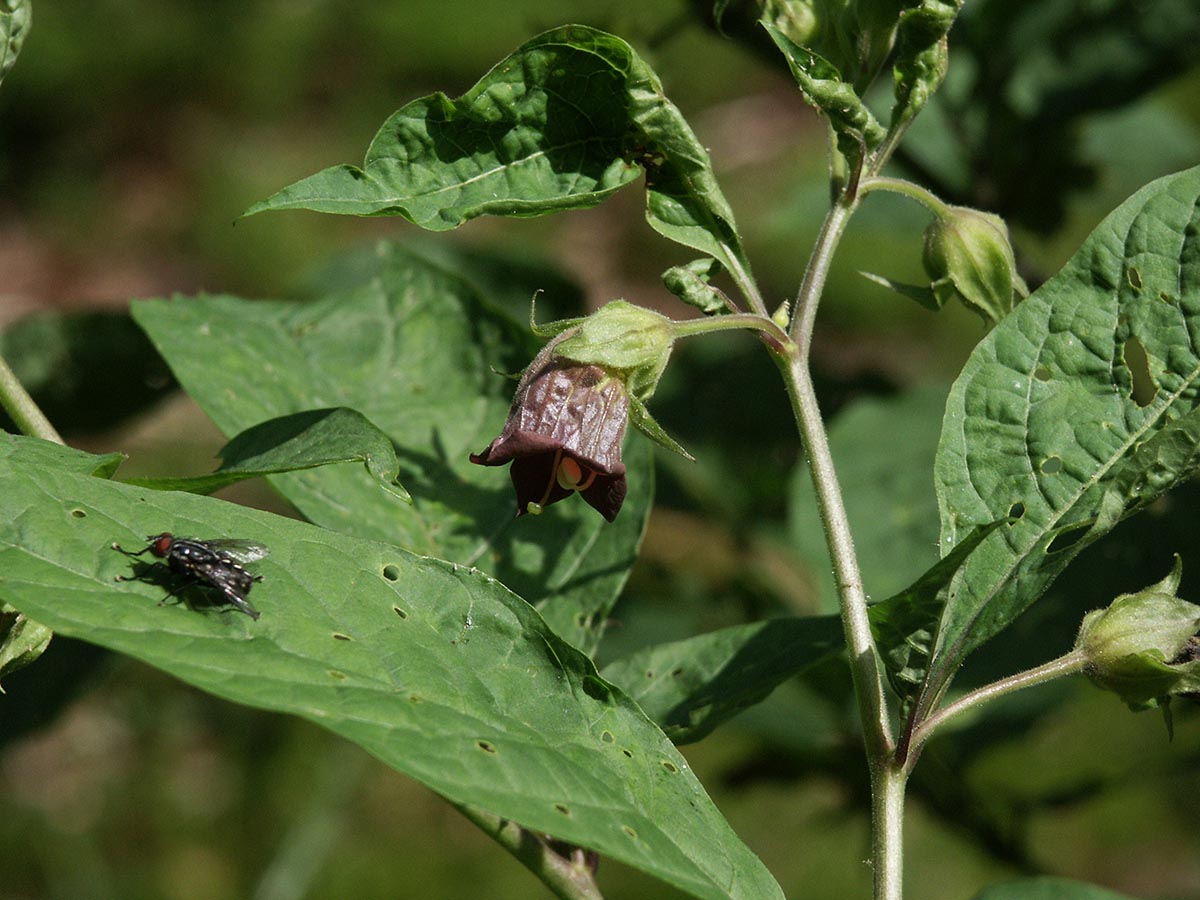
x=1139, y=646
x=968, y=256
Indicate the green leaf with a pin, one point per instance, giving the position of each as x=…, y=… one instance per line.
x=904, y=624
x=921, y=57
x=1046, y=888
x=414, y=349
x=884, y=449
x=303, y=440
x=823, y=87
x=569, y=118
x=1042, y=424
x=16, y=16
x=690, y=687
x=690, y=284
x=51, y=455
x=21, y=641
x=434, y=668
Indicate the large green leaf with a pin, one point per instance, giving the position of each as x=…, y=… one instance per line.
x=304, y=440
x=1044, y=423
x=434, y=668
x=413, y=349
x=567, y=119
x=690, y=687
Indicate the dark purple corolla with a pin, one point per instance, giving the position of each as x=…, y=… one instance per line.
x=564, y=435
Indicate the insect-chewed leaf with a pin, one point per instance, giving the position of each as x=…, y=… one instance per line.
x=419, y=661
x=567, y=119
x=1044, y=423
x=414, y=349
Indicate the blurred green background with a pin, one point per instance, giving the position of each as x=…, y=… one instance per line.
x=132, y=135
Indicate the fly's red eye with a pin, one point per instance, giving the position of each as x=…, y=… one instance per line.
x=162, y=545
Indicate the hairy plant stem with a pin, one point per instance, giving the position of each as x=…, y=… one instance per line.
x=1067, y=664
x=567, y=877
x=737, y=321
x=20, y=406
x=922, y=195
x=887, y=780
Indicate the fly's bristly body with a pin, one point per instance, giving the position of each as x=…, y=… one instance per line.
x=214, y=564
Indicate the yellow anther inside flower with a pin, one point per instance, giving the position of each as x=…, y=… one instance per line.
x=569, y=474
x=572, y=476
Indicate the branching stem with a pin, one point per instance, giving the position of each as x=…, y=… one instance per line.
x=1067, y=664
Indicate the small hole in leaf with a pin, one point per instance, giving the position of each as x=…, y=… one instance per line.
x=670, y=766
x=627, y=752
x=562, y=808
x=340, y=676
x=1051, y=465
x=1138, y=363
x=607, y=737
x=675, y=673
x=629, y=831
x=338, y=636
x=78, y=513
x=1042, y=373
x=1068, y=537
x=1135, y=278
x=391, y=573
x=1165, y=297
x=1016, y=510
x=485, y=746
x=398, y=611
x=649, y=673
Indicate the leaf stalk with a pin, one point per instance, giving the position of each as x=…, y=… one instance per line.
x=22, y=408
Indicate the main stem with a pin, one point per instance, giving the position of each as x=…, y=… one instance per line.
x=887, y=779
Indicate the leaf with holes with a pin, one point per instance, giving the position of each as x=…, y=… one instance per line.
x=414, y=349
x=436, y=669
x=305, y=440
x=1045, y=424
x=690, y=687
x=565, y=121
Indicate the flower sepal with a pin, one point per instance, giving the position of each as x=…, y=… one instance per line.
x=1143, y=647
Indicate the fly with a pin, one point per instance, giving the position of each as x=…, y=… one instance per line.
x=215, y=564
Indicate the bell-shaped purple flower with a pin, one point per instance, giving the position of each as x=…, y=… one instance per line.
x=564, y=435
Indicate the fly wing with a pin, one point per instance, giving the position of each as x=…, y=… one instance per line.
x=238, y=550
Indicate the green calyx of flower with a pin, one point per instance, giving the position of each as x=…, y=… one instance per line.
x=1142, y=646
x=633, y=345
x=968, y=256
x=631, y=342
